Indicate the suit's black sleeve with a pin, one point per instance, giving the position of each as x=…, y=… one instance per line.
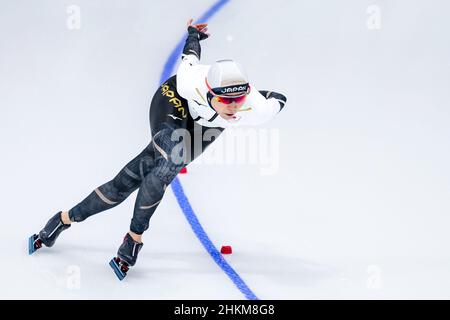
x=192, y=45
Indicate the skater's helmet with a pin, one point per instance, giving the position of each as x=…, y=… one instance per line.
x=227, y=78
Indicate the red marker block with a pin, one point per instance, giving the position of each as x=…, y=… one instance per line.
x=183, y=171
x=226, y=250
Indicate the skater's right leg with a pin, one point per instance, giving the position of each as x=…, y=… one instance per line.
x=104, y=197
x=115, y=191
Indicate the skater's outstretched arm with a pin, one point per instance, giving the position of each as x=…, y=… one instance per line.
x=196, y=33
x=189, y=68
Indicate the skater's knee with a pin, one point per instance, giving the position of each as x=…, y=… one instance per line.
x=126, y=181
x=116, y=190
x=151, y=190
x=166, y=171
x=102, y=198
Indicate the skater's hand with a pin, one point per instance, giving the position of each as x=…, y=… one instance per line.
x=198, y=29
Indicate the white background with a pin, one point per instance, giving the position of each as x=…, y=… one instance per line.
x=359, y=207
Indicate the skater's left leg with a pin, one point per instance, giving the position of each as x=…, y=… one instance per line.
x=150, y=195
x=167, y=165
x=174, y=133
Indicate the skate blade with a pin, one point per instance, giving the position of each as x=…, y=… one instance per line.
x=119, y=273
x=31, y=248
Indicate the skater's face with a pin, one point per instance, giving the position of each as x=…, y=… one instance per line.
x=227, y=108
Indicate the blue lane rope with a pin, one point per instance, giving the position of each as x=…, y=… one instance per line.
x=177, y=188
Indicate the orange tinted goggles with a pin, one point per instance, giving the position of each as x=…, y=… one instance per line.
x=230, y=100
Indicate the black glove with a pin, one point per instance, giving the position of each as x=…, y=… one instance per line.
x=271, y=94
x=192, y=45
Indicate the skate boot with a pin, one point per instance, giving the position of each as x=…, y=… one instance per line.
x=126, y=256
x=48, y=235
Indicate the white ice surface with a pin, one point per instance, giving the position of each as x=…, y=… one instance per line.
x=359, y=207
